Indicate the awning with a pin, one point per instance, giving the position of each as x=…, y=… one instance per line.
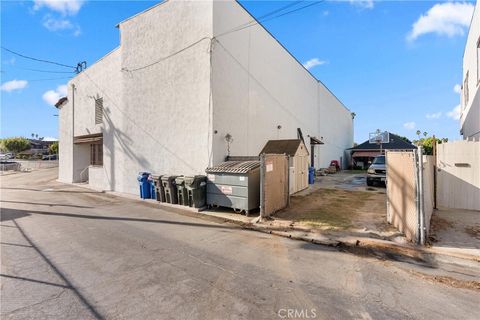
x=89, y=138
x=371, y=154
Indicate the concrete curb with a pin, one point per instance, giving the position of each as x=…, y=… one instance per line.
x=359, y=245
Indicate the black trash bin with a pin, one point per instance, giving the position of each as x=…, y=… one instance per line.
x=160, y=192
x=182, y=196
x=168, y=183
x=196, y=187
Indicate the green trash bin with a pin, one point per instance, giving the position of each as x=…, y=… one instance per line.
x=157, y=181
x=196, y=187
x=181, y=191
x=169, y=186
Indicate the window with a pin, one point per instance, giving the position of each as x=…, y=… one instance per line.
x=96, y=154
x=465, y=91
x=98, y=110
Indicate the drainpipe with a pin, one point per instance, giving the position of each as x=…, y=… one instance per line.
x=421, y=211
x=73, y=132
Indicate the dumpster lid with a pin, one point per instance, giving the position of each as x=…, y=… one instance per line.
x=234, y=167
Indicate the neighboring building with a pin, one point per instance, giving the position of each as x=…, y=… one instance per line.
x=183, y=79
x=470, y=98
x=363, y=154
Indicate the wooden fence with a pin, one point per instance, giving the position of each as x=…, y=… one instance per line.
x=410, y=188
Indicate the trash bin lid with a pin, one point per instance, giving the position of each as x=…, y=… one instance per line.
x=168, y=178
x=179, y=180
x=194, y=181
x=234, y=167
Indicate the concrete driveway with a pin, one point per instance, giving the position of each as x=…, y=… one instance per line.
x=72, y=253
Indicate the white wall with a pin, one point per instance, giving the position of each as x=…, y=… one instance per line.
x=470, y=117
x=161, y=111
x=101, y=80
x=257, y=86
x=166, y=105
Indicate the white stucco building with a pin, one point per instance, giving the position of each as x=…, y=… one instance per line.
x=183, y=77
x=470, y=99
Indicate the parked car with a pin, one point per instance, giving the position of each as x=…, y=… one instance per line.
x=6, y=156
x=377, y=172
x=50, y=157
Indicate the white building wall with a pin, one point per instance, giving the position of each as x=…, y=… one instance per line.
x=161, y=113
x=470, y=116
x=165, y=122
x=101, y=80
x=258, y=86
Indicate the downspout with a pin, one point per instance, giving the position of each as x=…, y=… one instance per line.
x=417, y=195
x=421, y=193
x=73, y=132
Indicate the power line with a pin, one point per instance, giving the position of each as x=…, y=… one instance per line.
x=36, y=59
x=62, y=78
x=263, y=16
x=259, y=21
x=44, y=71
x=167, y=57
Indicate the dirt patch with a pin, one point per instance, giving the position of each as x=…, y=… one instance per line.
x=449, y=281
x=473, y=231
x=437, y=224
x=336, y=209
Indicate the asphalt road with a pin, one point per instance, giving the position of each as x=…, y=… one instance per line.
x=71, y=253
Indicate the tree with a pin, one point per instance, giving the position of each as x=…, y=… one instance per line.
x=16, y=145
x=425, y=133
x=53, y=149
x=36, y=135
x=33, y=135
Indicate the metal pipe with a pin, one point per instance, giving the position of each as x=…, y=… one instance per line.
x=421, y=196
x=73, y=132
x=417, y=195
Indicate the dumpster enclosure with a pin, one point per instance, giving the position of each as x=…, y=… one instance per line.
x=274, y=190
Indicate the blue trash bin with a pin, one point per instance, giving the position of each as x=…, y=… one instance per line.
x=311, y=175
x=145, y=185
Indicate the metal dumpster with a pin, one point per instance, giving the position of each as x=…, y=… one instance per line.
x=168, y=183
x=234, y=184
x=196, y=190
x=182, y=195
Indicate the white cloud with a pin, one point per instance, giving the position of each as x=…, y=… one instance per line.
x=53, y=24
x=435, y=115
x=449, y=18
x=455, y=113
x=457, y=88
x=313, y=63
x=14, y=85
x=409, y=125
x=365, y=4
x=52, y=96
x=65, y=7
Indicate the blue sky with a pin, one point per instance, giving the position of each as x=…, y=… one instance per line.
x=394, y=63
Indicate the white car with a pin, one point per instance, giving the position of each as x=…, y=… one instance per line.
x=6, y=156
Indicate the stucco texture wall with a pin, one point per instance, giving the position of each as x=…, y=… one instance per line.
x=470, y=117
x=166, y=90
x=258, y=86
